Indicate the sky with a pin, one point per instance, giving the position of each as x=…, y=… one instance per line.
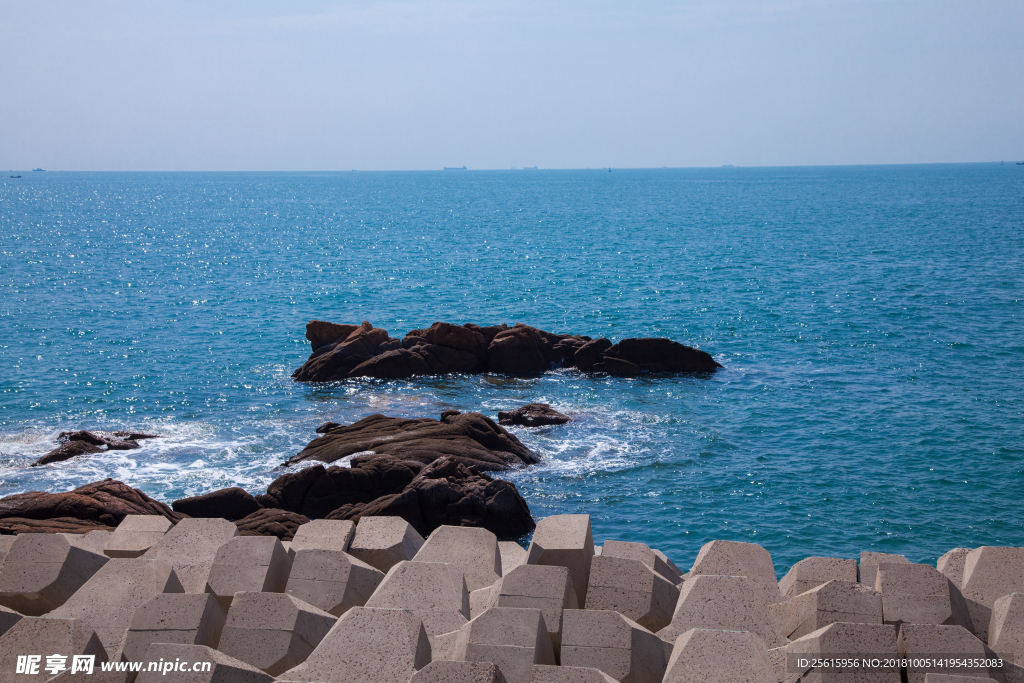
x=251, y=85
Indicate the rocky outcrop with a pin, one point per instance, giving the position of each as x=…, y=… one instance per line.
x=84, y=442
x=56, y=525
x=471, y=438
x=271, y=522
x=344, y=351
x=533, y=415
x=104, y=503
x=231, y=503
x=446, y=492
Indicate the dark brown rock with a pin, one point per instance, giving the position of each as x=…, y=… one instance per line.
x=66, y=451
x=321, y=333
x=661, y=355
x=620, y=368
x=231, y=504
x=472, y=438
x=520, y=350
x=591, y=353
x=271, y=522
x=84, y=442
x=57, y=525
x=461, y=338
x=448, y=492
x=533, y=415
x=328, y=426
x=335, y=360
x=105, y=502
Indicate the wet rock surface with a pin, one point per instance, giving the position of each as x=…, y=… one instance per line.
x=533, y=415
x=344, y=351
x=84, y=442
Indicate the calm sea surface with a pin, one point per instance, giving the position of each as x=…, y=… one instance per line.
x=870, y=321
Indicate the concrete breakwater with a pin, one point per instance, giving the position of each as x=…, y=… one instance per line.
x=376, y=601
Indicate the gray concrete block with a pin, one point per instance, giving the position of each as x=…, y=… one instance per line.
x=513, y=638
x=221, y=668
x=136, y=534
x=990, y=573
x=615, y=644
x=332, y=580
x=841, y=640
x=869, y=562
x=547, y=588
x=472, y=549
x=654, y=559
x=183, y=618
x=929, y=640
x=544, y=673
x=41, y=571
x=919, y=594
x=512, y=555
x=5, y=545
x=812, y=572
x=190, y=547
x=107, y=602
x=436, y=593
x=248, y=563
x=42, y=636
x=631, y=588
x=732, y=603
x=442, y=671
x=324, y=534
x=952, y=565
x=835, y=601
x=705, y=656
x=482, y=599
x=8, y=618
x=1006, y=627
x=273, y=632
x=367, y=645
x=93, y=541
x=383, y=542
x=734, y=558
x=565, y=541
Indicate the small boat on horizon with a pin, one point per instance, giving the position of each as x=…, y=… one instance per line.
x=38, y=169
x=455, y=168
x=15, y=176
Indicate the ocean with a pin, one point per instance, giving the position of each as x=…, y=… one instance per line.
x=869, y=320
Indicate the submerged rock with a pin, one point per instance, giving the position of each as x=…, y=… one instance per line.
x=84, y=442
x=471, y=438
x=343, y=351
x=533, y=415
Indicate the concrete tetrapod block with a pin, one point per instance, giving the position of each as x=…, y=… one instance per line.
x=703, y=656
x=839, y=640
x=472, y=549
x=927, y=641
x=1006, y=628
x=190, y=547
x=383, y=542
x=545, y=673
x=41, y=571
x=436, y=593
x=107, y=602
x=565, y=541
x=444, y=671
x=367, y=645
x=5, y=545
x=184, y=618
x=324, y=534
x=136, y=534
x=952, y=565
x=482, y=599
x=221, y=668
x=989, y=574
x=632, y=589
x=248, y=563
x=919, y=594
x=654, y=559
x=273, y=631
x=42, y=636
x=512, y=555
x=615, y=644
x=546, y=588
x=332, y=580
x=93, y=541
x=869, y=562
x=835, y=601
x=8, y=618
x=734, y=558
x=513, y=638
x=732, y=603
x=812, y=572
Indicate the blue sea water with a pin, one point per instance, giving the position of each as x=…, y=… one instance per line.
x=869, y=320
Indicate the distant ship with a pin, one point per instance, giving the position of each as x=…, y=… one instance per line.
x=38, y=169
x=1020, y=163
x=15, y=176
x=529, y=168
x=455, y=168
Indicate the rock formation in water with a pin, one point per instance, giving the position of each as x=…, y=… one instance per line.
x=533, y=415
x=83, y=443
x=344, y=351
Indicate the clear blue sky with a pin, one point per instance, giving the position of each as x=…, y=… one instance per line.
x=255, y=85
